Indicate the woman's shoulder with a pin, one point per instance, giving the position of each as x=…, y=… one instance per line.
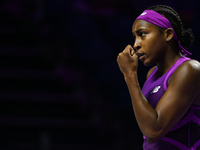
x=190, y=65
x=187, y=77
x=189, y=69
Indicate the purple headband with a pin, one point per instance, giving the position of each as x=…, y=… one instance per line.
x=159, y=20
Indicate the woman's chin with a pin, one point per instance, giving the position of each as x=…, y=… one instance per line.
x=147, y=63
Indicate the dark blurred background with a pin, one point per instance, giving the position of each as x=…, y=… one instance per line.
x=60, y=85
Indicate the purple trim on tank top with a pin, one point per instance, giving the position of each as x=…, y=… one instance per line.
x=186, y=119
x=173, y=68
x=196, y=119
x=194, y=147
x=153, y=72
x=176, y=143
x=180, y=145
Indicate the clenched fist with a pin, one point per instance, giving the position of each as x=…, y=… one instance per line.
x=128, y=61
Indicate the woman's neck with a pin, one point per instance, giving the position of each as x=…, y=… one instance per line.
x=167, y=63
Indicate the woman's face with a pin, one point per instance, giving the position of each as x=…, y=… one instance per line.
x=150, y=42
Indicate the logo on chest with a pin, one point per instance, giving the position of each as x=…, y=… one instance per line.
x=156, y=89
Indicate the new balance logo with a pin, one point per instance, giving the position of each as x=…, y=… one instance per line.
x=155, y=90
x=144, y=13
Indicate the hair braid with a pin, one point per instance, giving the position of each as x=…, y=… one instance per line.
x=184, y=36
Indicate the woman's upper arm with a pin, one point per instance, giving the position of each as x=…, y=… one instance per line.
x=184, y=86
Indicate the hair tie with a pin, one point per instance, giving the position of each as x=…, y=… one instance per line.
x=183, y=50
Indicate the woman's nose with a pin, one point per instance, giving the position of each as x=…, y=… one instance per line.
x=137, y=45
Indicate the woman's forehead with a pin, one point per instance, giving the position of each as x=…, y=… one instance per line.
x=141, y=24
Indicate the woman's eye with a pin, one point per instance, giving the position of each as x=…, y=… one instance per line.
x=143, y=34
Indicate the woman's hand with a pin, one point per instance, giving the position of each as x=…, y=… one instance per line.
x=128, y=61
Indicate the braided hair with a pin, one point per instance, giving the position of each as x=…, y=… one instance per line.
x=185, y=36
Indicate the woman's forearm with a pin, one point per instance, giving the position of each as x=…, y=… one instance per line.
x=145, y=115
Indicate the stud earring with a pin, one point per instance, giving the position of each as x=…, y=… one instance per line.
x=167, y=39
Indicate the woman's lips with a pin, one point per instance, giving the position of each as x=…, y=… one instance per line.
x=140, y=56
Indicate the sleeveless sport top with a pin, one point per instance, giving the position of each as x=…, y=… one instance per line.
x=185, y=135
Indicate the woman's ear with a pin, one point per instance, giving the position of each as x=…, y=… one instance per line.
x=169, y=33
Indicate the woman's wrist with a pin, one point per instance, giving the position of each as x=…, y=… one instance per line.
x=131, y=78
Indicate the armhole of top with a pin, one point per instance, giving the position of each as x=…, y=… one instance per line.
x=165, y=84
x=174, y=67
